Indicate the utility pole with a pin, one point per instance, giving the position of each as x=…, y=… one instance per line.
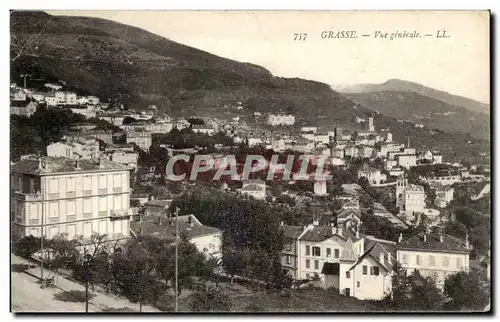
x=41, y=240
x=176, y=259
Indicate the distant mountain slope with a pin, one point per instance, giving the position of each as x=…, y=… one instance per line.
x=420, y=109
x=138, y=68
x=406, y=86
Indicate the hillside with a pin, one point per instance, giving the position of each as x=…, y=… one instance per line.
x=138, y=68
x=406, y=86
x=433, y=113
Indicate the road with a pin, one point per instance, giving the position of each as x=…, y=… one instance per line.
x=27, y=296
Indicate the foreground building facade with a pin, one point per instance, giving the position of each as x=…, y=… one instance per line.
x=74, y=197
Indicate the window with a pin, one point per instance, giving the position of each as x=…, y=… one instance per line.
x=102, y=204
x=103, y=182
x=87, y=205
x=308, y=251
x=459, y=262
x=70, y=185
x=118, y=202
x=53, y=185
x=419, y=260
x=374, y=270
x=365, y=270
x=307, y=275
x=54, y=209
x=446, y=261
x=328, y=252
x=71, y=230
x=358, y=284
x=336, y=253
x=288, y=246
x=347, y=274
x=432, y=260
x=308, y=263
x=87, y=183
x=288, y=259
x=316, y=264
x=117, y=181
x=316, y=251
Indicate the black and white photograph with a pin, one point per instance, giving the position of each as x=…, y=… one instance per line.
x=169, y=161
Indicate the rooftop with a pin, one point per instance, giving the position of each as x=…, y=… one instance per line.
x=150, y=226
x=53, y=165
x=292, y=231
x=433, y=242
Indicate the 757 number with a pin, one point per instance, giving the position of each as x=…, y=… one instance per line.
x=299, y=37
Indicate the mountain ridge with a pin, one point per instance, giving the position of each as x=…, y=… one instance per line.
x=138, y=68
x=395, y=84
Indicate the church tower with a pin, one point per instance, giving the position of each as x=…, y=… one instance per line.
x=401, y=184
x=371, y=126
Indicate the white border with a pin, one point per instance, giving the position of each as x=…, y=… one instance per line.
x=195, y=5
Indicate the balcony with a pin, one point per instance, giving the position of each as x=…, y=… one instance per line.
x=70, y=217
x=87, y=215
x=119, y=214
x=103, y=191
x=54, y=195
x=87, y=192
x=117, y=189
x=103, y=213
x=33, y=222
x=70, y=194
x=27, y=196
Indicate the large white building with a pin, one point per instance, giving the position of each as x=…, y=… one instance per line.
x=414, y=201
x=280, y=119
x=76, y=197
x=140, y=137
x=444, y=195
x=436, y=255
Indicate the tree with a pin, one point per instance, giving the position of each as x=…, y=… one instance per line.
x=86, y=266
x=209, y=297
x=234, y=262
x=27, y=246
x=137, y=281
x=467, y=290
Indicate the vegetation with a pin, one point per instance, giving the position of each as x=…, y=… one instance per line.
x=467, y=291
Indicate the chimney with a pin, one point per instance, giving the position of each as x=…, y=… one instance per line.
x=159, y=221
x=382, y=258
x=467, y=240
x=425, y=237
x=400, y=239
x=389, y=260
x=315, y=222
x=282, y=223
x=77, y=163
x=357, y=233
x=441, y=238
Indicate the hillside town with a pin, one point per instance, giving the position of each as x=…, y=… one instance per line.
x=389, y=208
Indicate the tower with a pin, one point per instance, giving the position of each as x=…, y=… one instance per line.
x=371, y=127
x=400, y=191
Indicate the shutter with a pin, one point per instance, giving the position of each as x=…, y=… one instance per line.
x=71, y=230
x=87, y=230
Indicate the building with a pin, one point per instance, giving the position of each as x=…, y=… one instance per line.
x=312, y=129
x=50, y=100
x=322, y=139
x=414, y=199
x=320, y=188
x=280, y=119
x=128, y=158
x=444, y=195
x=370, y=126
x=203, y=129
x=87, y=111
x=374, y=176
x=406, y=160
x=208, y=240
x=93, y=100
x=77, y=197
x=23, y=108
x=60, y=97
x=351, y=151
x=254, y=188
x=18, y=95
x=434, y=254
x=75, y=147
x=289, y=257
x=52, y=86
x=365, y=152
x=70, y=98
x=157, y=207
x=104, y=135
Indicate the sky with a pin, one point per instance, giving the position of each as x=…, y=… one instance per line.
x=458, y=64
